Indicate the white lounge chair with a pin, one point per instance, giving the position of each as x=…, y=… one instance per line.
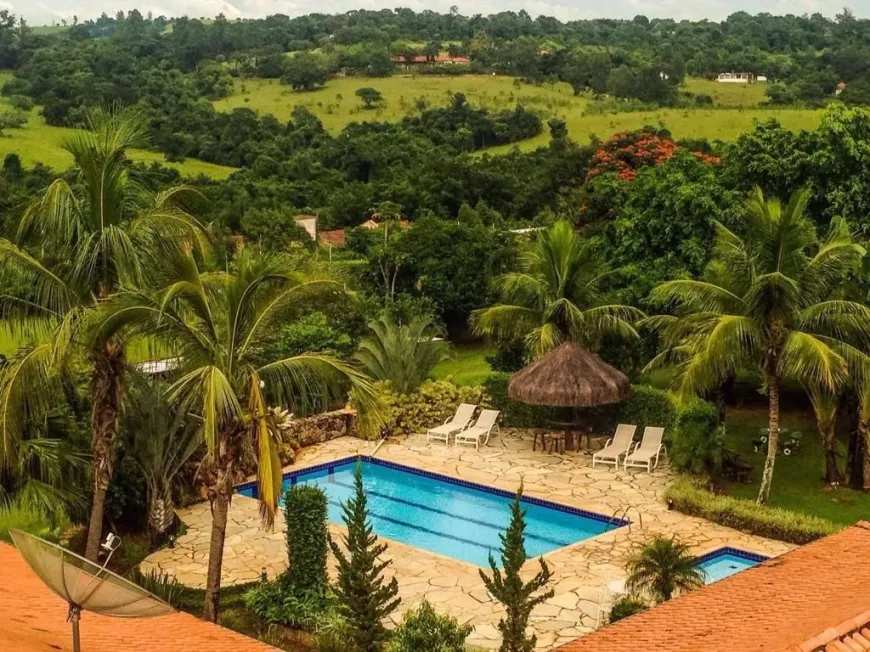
x=457, y=423
x=616, y=447
x=646, y=454
x=480, y=430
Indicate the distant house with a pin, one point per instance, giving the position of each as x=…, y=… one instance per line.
x=422, y=59
x=309, y=223
x=736, y=78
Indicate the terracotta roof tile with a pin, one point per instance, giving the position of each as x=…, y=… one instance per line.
x=813, y=599
x=34, y=620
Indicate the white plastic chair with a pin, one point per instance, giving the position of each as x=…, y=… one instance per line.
x=457, y=423
x=616, y=447
x=480, y=430
x=646, y=454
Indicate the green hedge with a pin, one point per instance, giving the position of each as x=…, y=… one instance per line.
x=429, y=406
x=690, y=497
x=305, y=514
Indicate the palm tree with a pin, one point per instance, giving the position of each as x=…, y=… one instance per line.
x=826, y=404
x=77, y=244
x=768, y=303
x=661, y=568
x=402, y=355
x=160, y=442
x=217, y=322
x=555, y=297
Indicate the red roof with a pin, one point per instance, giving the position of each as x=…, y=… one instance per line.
x=34, y=620
x=335, y=238
x=811, y=599
x=446, y=58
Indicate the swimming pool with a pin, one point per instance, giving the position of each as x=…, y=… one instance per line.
x=445, y=515
x=724, y=562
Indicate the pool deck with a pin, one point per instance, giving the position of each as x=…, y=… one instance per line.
x=581, y=572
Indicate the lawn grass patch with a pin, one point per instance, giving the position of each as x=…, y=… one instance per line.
x=727, y=94
x=467, y=365
x=798, y=479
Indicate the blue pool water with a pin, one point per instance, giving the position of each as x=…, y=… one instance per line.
x=443, y=515
x=723, y=563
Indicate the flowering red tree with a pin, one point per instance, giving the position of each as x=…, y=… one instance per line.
x=628, y=151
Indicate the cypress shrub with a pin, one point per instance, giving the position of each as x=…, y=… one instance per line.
x=305, y=514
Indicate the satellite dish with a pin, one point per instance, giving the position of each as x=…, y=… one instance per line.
x=84, y=585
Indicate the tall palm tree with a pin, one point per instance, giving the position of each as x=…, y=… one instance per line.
x=661, y=568
x=768, y=303
x=216, y=322
x=77, y=244
x=402, y=354
x=826, y=404
x=556, y=297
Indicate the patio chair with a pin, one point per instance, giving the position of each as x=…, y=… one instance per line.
x=646, y=454
x=480, y=430
x=616, y=447
x=457, y=423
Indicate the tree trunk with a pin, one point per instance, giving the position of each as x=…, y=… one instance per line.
x=221, y=492
x=864, y=436
x=107, y=380
x=772, y=440
x=161, y=514
x=829, y=441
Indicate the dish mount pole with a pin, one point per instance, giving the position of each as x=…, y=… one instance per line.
x=75, y=612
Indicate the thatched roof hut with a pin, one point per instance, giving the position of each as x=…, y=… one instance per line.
x=569, y=376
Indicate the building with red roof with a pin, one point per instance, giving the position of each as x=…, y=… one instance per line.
x=34, y=620
x=813, y=599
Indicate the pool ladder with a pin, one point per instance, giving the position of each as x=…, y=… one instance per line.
x=622, y=514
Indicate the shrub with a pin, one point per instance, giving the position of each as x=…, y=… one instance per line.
x=275, y=604
x=624, y=606
x=697, y=443
x=423, y=629
x=16, y=516
x=430, y=405
x=305, y=515
x=312, y=333
x=689, y=497
x=163, y=585
x=20, y=102
x=299, y=598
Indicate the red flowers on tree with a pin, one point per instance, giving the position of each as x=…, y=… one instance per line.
x=628, y=151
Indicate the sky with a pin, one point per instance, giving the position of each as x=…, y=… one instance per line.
x=46, y=12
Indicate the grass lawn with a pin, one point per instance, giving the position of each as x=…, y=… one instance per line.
x=797, y=479
x=727, y=94
x=138, y=350
x=38, y=142
x=337, y=105
x=467, y=366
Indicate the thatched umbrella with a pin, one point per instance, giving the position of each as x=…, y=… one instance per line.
x=569, y=377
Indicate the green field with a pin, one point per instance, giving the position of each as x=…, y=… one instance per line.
x=731, y=95
x=466, y=366
x=37, y=142
x=336, y=105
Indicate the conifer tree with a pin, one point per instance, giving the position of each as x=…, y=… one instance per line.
x=364, y=596
x=519, y=598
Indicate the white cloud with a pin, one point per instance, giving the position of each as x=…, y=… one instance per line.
x=46, y=11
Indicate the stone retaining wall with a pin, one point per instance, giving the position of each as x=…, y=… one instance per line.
x=316, y=429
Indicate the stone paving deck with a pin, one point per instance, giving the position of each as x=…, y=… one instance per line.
x=581, y=572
